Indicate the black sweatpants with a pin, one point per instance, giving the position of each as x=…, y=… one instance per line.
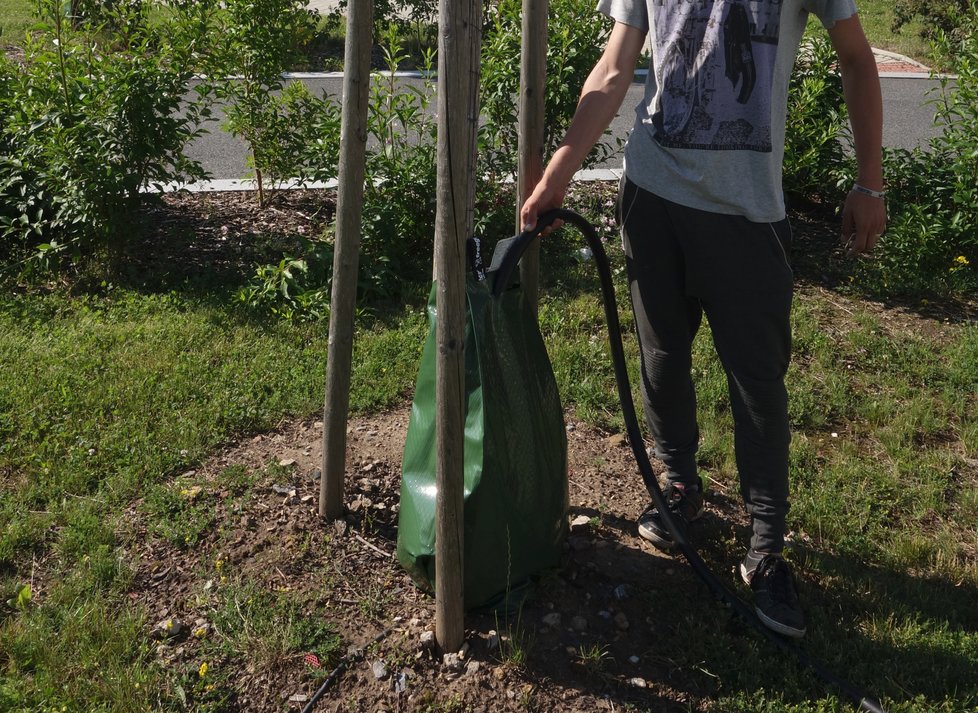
x=682, y=263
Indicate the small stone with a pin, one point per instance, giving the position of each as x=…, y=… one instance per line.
x=318, y=424
x=192, y=492
x=168, y=629
x=581, y=522
x=452, y=662
x=621, y=621
x=316, y=474
x=287, y=462
x=400, y=683
x=571, y=427
x=552, y=619
x=604, y=614
x=633, y=659
x=286, y=490
x=499, y=673
x=638, y=682
x=579, y=623
x=472, y=667
x=670, y=571
x=616, y=440
x=428, y=639
x=379, y=669
x=571, y=651
x=189, y=474
x=298, y=698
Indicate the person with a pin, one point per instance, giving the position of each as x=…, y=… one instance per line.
x=704, y=230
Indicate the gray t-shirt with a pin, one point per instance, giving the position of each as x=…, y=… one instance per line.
x=709, y=133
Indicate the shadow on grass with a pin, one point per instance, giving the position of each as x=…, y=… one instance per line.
x=688, y=648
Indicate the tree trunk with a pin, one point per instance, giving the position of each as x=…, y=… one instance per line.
x=349, y=210
x=459, y=46
x=532, y=114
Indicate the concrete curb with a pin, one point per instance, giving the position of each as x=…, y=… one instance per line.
x=236, y=185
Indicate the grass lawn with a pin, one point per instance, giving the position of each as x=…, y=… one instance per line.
x=15, y=18
x=108, y=401
x=877, y=21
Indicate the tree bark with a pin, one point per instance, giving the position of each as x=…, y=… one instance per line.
x=459, y=46
x=346, y=258
x=532, y=115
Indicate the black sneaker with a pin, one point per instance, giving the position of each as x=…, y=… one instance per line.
x=685, y=505
x=775, y=596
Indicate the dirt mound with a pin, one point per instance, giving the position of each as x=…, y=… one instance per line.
x=584, y=640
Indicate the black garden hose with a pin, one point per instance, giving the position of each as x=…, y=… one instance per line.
x=503, y=267
x=340, y=667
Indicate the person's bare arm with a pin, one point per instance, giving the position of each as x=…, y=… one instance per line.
x=602, y=95
x=864, y=216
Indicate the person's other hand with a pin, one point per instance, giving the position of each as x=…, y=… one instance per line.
x=863, y=221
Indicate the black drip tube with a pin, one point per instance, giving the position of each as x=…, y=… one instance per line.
x=504, y=264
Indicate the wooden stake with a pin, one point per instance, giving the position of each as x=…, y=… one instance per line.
x=349, y=209
x=532, y=115
x=459, y=47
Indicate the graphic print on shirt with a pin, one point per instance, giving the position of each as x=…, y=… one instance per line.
x=717, y=64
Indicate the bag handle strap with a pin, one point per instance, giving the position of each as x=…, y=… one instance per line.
x=508, y=252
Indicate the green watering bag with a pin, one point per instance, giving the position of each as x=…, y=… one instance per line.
x=516, y=500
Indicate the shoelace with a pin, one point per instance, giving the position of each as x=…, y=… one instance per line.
x=675, y=497
x=777, y=577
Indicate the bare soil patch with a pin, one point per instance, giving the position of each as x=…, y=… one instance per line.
x=584, y=640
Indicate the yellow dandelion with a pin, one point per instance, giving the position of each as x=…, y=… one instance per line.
x=961, y=260
x=202, y=671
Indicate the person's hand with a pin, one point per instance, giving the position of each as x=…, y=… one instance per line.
x=545, y=197
x=863, y=221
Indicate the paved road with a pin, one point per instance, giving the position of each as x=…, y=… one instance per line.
x=908, y=123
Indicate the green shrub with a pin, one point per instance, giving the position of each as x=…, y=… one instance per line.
x=576, y=37
x=931, y=244
x=399, y=204
x=938, y=17
x=254, y=42
x=817, y=124
x=93, y=116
